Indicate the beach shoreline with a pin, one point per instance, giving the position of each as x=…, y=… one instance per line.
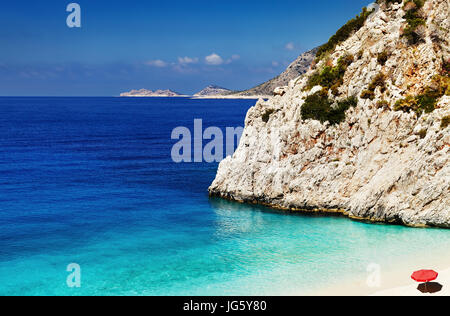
x=411, y=289
x=396, y=280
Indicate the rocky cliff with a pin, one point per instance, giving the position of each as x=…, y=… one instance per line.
x=365, y=132
x=298, y=67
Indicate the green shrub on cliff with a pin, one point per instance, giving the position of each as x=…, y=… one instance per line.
x=383, y=104
x=445, y=122
x=441, y=85
x=367, y=94
x=331, y=77
x=426, y=101
x=319, y=107
x=378, y=81
x=423, y=133
x=422, y=103
x=414, y=19
x=382, y=58
x=343, y=34
x=445, y=68
x=266, y=116
x=412, y=16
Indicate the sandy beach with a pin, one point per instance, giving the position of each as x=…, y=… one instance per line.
x=411, y=288
x=396, y=279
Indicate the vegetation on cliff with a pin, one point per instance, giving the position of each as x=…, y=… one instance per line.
x=331, y=77
x=378, y=81
x=445, y=122
x=267, y=114
x=445, y=68
x=414, y=19
x=382, y=58
x=426, y=101
x=319, y=107
x=343, y=34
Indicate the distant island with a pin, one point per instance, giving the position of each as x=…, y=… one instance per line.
x=213, y=90
x=296, y=69
x=150, y=93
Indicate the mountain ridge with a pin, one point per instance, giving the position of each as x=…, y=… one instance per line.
x=297, y=68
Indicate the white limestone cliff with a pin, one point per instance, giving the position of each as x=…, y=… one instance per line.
x=378, y=164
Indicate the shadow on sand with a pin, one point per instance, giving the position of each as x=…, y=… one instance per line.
x=430, y=287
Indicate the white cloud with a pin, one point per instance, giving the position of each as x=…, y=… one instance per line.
x=214, y=59
x=187, y=60
x=157, y=63
x=290, y=46
x=275, y=63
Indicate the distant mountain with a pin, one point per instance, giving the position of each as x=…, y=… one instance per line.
x=299, y=67
x=150, y=93
x=213, y=91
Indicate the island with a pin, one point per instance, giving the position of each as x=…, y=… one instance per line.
x=150, y=93
x=213, y=90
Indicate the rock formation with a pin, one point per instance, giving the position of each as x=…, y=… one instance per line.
x=298, y=67
x=150, y=93
x=365, y=132
x=213, y=91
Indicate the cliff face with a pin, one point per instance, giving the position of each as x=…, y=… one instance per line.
x=387, y=158
x=298, y=67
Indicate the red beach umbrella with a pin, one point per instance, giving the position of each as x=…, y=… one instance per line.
x=424, y=276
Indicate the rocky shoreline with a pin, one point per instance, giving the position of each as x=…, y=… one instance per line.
x=381, y=158
x=320, y=211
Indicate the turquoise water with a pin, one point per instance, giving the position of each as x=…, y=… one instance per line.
x=90, y=181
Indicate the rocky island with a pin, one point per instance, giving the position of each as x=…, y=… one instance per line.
x=213, y=90
x=150, y=93
x=298, y=67
x=365, y=132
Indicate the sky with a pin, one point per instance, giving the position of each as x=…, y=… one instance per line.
x=178, y=45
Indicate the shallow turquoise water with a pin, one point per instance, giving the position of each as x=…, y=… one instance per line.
x=90, y=181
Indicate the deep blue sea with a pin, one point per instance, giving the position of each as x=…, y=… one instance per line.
x=91, y=181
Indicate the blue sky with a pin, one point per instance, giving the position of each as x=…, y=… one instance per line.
x=181, y=45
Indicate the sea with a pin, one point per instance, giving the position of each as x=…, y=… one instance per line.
x=92, y=203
